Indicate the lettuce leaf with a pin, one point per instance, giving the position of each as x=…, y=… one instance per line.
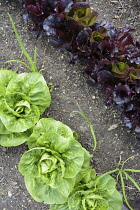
x=5, y=77
x=34, y=86
x=42, y=192
x=14, y=139
x=46, y=125
x=17, y=114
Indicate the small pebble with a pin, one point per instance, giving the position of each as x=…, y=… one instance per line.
x=9, y=194
x=113, y=127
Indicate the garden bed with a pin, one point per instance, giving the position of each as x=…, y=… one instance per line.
x=69, y=89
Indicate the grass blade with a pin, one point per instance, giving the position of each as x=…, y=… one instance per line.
x=123, y=191
x=34, y=62
x=90, y=126
x=133, y=181
x=128, y=160
x=28, y=67
x=22, y=46
x=93, y=136
x=132, y=170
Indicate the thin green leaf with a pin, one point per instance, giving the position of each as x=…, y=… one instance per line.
x=132, y=170
x=107, y=173
x=82, y=114
x=93, y=136
x=22, y=46
x=28, y=67
x=123, y=191
x=127, y=160
x=35, y=53
x=90, y=126
x=132, y=180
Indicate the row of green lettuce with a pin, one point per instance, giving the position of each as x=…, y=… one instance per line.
x=56, y=167
x=57, y=171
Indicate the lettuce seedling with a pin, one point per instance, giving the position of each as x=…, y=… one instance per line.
x=53, y=161
x=24, y=97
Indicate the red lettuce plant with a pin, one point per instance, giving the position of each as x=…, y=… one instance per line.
x=111, y=57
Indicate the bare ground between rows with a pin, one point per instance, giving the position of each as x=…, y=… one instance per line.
x=69, y=89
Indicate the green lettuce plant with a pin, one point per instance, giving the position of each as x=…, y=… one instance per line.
x=93, y=196
x=54, y=159
x=120, y=168
x=23, y=98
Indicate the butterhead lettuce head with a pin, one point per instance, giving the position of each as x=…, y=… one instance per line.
x=23, y=98
x=53, y=162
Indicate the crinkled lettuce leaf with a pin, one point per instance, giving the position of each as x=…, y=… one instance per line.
x=45, y=125
x=115, y=201
x=63, y=206
x=97, y=195
x=14, y=139
x=5, y=77
x=3, y=129
x=42, y=192
x=32, y=85
x=106, y=185
x=17, y=114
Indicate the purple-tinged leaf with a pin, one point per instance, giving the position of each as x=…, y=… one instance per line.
x=65, y=5
x=121, y=94
x=36, y=10
x=83, y=37
x=104, y=76
x=125, y=40
x=128, y=119
x=131, y=115
x=52, y=25
x=110, y=56
x=135, y=58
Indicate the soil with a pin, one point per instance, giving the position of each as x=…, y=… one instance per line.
x=114, y=140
